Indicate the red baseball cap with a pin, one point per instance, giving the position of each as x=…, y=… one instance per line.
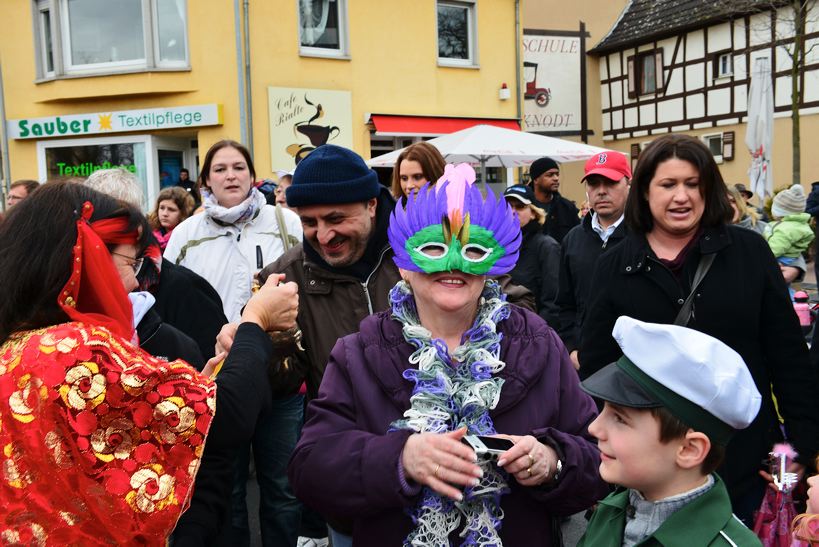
x=610, y=164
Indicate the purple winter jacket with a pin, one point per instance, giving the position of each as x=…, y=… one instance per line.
x=346, y=464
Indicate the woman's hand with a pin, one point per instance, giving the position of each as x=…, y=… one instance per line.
x=213, y=362
x=224, y=340
x=275, y=306
x=440, y=461
x=529, y=461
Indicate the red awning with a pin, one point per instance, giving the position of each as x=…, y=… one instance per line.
x=388, y=124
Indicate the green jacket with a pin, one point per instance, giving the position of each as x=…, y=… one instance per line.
x=706, y=521
x=790, y=236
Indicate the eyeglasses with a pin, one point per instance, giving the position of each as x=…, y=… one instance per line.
x=136, y=263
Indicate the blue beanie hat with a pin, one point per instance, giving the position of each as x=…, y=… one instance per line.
x=332, y=174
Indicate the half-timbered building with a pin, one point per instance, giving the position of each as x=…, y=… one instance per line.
x=686, y=65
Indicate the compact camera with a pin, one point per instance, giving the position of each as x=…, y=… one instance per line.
x=487, y=448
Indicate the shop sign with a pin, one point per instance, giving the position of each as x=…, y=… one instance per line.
x=552, y=74
x=302, y=119
x=116, y=122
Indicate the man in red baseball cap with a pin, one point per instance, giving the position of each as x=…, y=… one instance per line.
x=607, y=178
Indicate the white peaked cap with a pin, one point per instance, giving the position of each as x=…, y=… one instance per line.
x=694, y=365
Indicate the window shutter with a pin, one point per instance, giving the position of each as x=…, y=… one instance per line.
x=658, y=68
x=728, y=146
x=632, y=77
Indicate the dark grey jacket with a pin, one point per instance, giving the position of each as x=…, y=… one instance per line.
x=537, y=270
x=579, y=252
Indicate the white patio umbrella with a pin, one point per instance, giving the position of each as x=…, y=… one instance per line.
x=759, y=130
x=491, y=146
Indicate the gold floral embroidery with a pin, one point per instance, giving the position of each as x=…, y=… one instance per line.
x=22, y=401
x=12, y=474
x=176, y=418
x=91, y=425
x=58, y=451
x=49, y=344
x=152, y=490
x=115, y=439
x=85, y=387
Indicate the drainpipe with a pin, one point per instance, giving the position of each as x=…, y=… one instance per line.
x=5, y=144
x=517, y=60
x=518, y=39
x=248, y=87
x=240, y=75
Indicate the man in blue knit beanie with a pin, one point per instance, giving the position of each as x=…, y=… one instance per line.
x=344, y=271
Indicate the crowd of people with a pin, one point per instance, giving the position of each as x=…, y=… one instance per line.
x=423, y=364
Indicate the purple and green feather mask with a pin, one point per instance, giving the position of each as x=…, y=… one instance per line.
x=450, y=227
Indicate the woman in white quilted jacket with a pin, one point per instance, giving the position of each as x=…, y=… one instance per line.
x=237, y=236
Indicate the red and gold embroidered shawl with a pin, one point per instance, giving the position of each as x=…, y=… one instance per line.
x=99, y=441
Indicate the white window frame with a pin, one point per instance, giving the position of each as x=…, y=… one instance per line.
x=42, y=7
x=706, y=141
x=730, y=69
x=472, y=33
x=61, y=44
x=343, y=24
x=150, y=187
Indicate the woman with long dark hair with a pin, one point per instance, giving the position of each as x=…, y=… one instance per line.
x=684, y=263
x=103, y=441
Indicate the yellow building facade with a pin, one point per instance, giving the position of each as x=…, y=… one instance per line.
x=150, y=84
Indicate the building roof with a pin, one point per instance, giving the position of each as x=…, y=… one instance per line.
x=646, y=20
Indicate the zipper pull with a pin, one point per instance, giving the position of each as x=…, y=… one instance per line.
x=259, y=261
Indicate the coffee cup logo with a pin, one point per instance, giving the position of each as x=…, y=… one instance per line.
x=315, y=133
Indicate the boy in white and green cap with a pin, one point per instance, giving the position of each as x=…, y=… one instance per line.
x=672, y=402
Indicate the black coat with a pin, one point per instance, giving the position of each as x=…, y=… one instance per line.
x=242, y=394
x=537, y=269
x=578, y=255
x=742, y=301
x=561, y=216
x=187, y=301
x=165, y=341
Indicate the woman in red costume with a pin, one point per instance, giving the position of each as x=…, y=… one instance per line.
x=100, y=442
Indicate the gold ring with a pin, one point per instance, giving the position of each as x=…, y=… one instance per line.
x=531, y=460
x=529, y=471
x=437, y=468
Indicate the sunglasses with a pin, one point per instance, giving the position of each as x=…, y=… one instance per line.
x=135, y=263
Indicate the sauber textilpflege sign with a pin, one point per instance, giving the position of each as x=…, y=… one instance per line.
x=73, y=125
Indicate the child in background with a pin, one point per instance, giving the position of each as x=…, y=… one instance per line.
x=173, y=205
x=806, y=526
x=672, y=402
x=789, y=234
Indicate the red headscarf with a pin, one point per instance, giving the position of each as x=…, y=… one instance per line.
x=94, y=293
